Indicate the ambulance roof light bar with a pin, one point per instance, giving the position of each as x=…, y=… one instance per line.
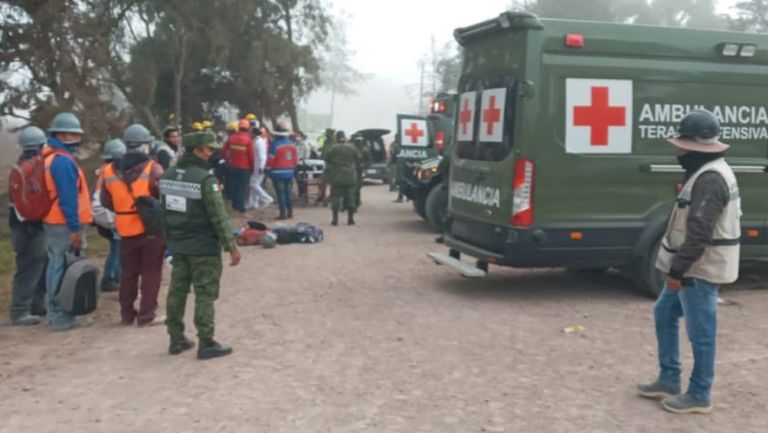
x=505, y=21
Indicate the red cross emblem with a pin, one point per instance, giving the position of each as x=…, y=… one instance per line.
x=599, y=116
x=414, y=132
x=465, y=116
x=491, y=115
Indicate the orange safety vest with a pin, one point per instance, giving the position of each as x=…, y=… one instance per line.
x=56, y=215
x=127, y=220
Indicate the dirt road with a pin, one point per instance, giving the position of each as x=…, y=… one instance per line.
x=363, y=334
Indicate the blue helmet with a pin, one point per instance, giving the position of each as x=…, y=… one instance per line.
x=65, y=122
x=31, y=138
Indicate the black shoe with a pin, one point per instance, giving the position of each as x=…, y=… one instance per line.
x=212, y=349
x=179, y=345
x=335, y=220
x=350, y=218
x=110, y=287
x=440, y=239
x=290, y=213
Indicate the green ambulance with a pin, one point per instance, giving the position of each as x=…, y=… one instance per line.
x=560, y=157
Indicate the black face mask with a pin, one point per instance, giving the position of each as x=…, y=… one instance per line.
x=693, y=161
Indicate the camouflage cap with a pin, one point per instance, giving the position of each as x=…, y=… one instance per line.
x=200, y=139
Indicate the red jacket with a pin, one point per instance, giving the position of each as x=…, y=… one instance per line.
x=238, y=151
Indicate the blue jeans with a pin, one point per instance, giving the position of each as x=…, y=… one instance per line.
x=697, y=301
x=112, y=263
x=284, y=192
x=57, y=245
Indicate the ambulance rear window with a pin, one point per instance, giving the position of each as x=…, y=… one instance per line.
x=485, y=120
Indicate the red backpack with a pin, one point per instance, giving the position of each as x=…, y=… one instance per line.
x=27, y=189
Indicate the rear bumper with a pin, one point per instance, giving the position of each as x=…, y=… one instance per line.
x=545, y=246
x=376, y=172
x=601, y=245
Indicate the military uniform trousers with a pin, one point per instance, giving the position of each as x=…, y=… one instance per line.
x=203, y=273
x=343, y=197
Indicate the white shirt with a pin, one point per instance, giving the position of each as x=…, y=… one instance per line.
x=260, y=152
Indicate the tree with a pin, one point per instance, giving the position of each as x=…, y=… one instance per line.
x=56, y=55
x=339, y=77
x=751, y=16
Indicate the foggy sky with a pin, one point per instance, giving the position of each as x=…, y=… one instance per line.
x=389, y=38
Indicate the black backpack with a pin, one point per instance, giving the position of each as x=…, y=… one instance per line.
x=78, y=292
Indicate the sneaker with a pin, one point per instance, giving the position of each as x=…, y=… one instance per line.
x=687, y=404
x=79, y=322
x=110, y=287
x=658, y=390
x=179, y=345
x=156, y=321
x=25, y=320
x=212, y=349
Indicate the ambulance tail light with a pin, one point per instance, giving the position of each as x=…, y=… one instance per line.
x=574, y=40
x=522, y=193
x=440, y=140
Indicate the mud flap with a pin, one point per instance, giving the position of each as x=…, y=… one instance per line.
x=465, y=269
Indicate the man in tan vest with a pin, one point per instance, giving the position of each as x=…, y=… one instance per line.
x=698, y=253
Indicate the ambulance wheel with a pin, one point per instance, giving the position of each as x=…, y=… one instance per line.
x=420, y=206
x=647, y=279
x=436, y=206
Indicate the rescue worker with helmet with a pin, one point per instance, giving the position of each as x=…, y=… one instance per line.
x=366, y=159
x=169, y=150
x=70, y=212
x=141, y=253
x=342, y=163
x=239, y=154
x=282, y=161
x=197, y=226
x=28, y=244
x=104, y=219
x=699, y=251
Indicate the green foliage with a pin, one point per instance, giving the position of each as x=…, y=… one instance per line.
x=751, y=16
x=119, y=61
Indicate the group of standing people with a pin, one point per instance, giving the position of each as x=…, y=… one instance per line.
x=194, y=227
x=252, y=153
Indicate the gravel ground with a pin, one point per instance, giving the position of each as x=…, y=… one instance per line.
x=363, y=334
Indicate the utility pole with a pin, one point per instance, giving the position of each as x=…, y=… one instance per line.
x=421, y=86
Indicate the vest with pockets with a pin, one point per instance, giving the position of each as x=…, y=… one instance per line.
x=55, y=214
x=720, y=262
x=127, y=220
x=188, y=228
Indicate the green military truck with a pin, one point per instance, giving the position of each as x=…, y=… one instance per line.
x=560, y=156
x=424, y=183
x=416, y=143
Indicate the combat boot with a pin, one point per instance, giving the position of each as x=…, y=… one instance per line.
x=180, y=344
x=212, y=349
x=335, y=220
x=350, y=218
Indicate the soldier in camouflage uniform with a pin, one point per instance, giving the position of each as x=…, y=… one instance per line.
x=197, y=227
x=342, y=165
x=365, y=162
